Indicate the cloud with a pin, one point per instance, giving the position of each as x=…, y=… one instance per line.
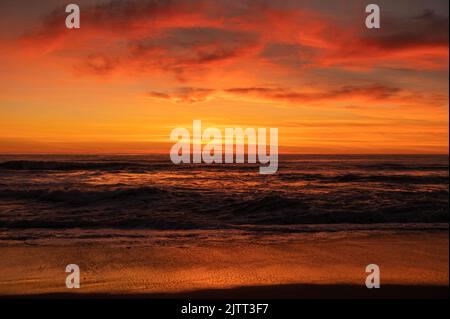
x=184, y=49
x=426, y=30
x=414, y=42
x=187, y=37
x=184, y=95
x=120, y=16
x=288, y=54
x=112, y=24
x=374, y=92
x=369, y=95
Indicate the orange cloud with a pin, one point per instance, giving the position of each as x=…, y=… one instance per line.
x=258, y=61
x=179, y=35
x=364, y=95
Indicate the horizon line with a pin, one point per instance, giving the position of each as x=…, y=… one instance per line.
x=167, y=154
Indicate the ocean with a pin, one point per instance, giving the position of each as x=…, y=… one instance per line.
x=43, y=196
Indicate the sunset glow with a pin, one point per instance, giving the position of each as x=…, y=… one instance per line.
x=134, y=71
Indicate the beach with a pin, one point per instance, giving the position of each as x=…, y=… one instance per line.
x=315, y=265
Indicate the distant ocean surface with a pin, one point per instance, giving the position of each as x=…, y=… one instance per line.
x=149, y=192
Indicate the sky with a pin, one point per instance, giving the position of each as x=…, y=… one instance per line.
x=135, y=70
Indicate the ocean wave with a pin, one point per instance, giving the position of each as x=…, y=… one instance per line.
x=135, y=167
x=69, y=166
x=357, y=207
x=274, y=234
x=348, y=178
x=82, y=197
x=404, y=167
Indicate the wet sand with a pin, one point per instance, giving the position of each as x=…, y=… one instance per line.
x=413, y=264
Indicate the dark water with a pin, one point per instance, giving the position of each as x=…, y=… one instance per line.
x=149, y=192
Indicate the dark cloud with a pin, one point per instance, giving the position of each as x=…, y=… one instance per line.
x=372, y=92
x=288, y=54
x=194, y=95
x=184, y=95
x=425, y=29
x=191, y=47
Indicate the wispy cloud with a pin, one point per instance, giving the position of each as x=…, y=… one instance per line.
x=362, y=95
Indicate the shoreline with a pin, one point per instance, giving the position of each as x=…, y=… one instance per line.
x=270, y=234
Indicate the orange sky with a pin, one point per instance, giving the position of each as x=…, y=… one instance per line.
x=137, y=69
